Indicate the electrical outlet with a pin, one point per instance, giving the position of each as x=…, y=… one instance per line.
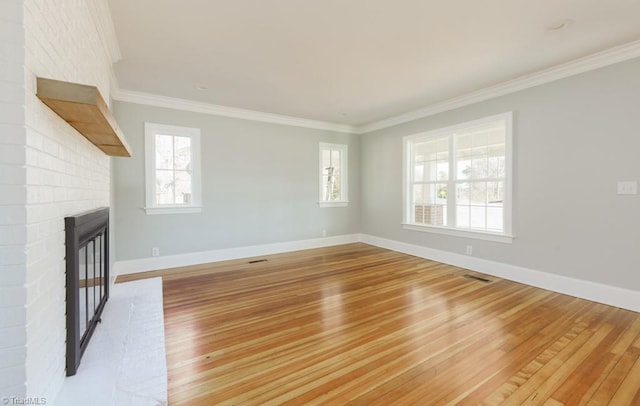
x=324, y=233
x=155, y=251
x=469, y=250
x=629, y=187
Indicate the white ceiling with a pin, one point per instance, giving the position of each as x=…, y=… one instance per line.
x=352, y=61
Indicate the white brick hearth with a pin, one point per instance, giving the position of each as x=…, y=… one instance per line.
x=125, y=362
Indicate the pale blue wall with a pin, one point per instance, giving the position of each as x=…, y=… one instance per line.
x=260, y=186
x=574, y=139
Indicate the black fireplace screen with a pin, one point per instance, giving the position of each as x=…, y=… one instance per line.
x=87, y=260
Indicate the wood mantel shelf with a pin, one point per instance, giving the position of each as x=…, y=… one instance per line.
x=84, y=108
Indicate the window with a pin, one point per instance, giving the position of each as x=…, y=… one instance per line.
x=172, y=163
x=333, y=175
x=458, y=180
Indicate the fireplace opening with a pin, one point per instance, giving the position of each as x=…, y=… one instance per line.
x=87, y=279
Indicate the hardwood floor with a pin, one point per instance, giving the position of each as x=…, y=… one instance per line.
x=360, y=325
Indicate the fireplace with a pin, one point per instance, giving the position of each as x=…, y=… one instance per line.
x=87, y=262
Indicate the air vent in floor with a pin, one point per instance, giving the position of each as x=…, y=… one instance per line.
x=477, y=278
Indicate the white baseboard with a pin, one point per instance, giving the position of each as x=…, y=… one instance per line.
x=204, y=257
x=596, y=292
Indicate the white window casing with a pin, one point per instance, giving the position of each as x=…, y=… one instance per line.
x=333, y=175
x=458, y=180
x=172, y=169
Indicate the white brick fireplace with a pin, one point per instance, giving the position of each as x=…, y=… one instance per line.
x=47, y=171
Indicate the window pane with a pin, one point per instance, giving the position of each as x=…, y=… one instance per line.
x=478, y=193
x=496, y=136
x=164, y=151
x=495, y=193
x=462, y=216
x=331, y=188
x=478, y=219
x=479, y=167
x=425, y=151
x=418, y=172
x=464, y=167
x=336, y=190
x=495, y=218
x=462, y=193
x=433, y=214
x=182, y=153
x=335, y=159
x=441, y=193
x=442, y=168
x=438, y=211
x=445, y=221
x=326, y=159
x=164, y=187
x=495, y=168
x=430, y=160
x=420, y=151
x=430, y=170
x=437, y=149
x=332, y=171
x=441, y=145
x=479, y=141
x=183, y=187
x=429, y=203
x=496, y=150
x=419, y=195
x=326, y=195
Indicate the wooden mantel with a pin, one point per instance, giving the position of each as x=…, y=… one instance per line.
x=84, y=108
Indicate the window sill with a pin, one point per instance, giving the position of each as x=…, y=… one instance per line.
x=334, y=204
x=478, y=235
x=173, y=210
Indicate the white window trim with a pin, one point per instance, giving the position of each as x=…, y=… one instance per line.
x=344, y=176
x=335, y=203
x=150, y=131
x=458, y=232
x=505, y=237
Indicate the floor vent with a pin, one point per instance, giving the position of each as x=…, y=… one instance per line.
x=255, y=261
x=477, y=278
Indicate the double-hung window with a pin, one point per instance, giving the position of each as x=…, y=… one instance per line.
x=333, y=175
x=172, y=169
x=458, y=179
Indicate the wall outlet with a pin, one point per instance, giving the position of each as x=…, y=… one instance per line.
x=627, y=187
x=155, y=251
x=324, y=233
x=469, y=250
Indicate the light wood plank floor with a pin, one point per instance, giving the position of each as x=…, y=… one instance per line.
x=360, y=325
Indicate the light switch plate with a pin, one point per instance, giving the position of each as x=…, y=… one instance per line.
x=627, y=187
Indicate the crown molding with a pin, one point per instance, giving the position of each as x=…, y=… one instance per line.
x=588, y=63
x=224, y=111
x=101, y=15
